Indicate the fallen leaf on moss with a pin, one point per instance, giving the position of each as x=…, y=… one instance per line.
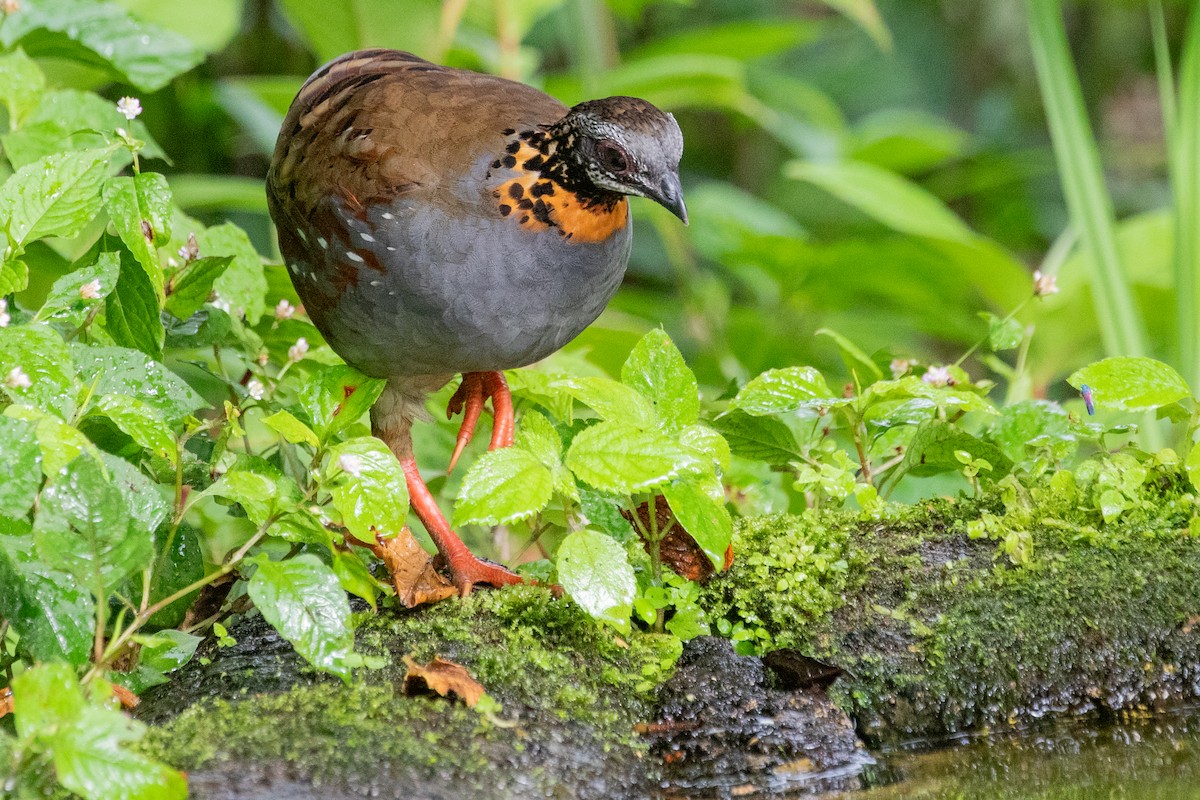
x=678, y=550
x=443, y=678
x=6, y=701
x=127, y=698
x=413, y=575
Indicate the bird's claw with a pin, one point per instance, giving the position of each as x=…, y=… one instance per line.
x=472, y=393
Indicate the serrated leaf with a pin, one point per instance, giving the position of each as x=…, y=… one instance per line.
x=292, y=429
x=192, y=290
x=656, y=369
x=145, y=55
x=254, y=492
x=913, y=387
x=1003, y=334
x=758, y=438
x=699, y=505
x=120, y=370
x=933, y=447
x=1131, y=383
x=707, y=443
x=595, y=571
x=141, y=422
x=303, y=600
x=368, y=487
x=53, y=616
x=59, y=442
x=337, y=397
x=140, y=209
x=503, y=486
x=603, y=512
x=83, y=527
x=70, y=119
x=54, y=196
x=14, y=277
x=40, y=353
x=537, y=436
x=132, y=315
x=619, y=457
x=611, y=400
x=243, y=285
x=21, y=85
x=778, y=391
x=66, y=301
x=23, y=463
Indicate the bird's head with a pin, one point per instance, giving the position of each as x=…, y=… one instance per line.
x=629, y=146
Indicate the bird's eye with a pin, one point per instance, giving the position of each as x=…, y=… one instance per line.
x=612, y=157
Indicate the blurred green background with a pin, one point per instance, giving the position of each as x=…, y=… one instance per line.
x=882, y=169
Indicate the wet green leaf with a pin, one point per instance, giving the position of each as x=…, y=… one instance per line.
x=60, y=443
x=368, y=487
x=611, y=400
x=304, y=601
x=120, y=370
x=699, y=505
x=243, y=284
x=656, y=369
x=537, y=436
x=192, y=290
x=52, y=614
x=932, y=451
x=132, y=315
x=66, y=301
x=70, y=119
x=39, y=353
x=292, y=429
x=141, y=422
x=503, y=486
x=23, y=463
x=1129, y=383
x=594, y=570
x=337, y=397
x=618, y=457
x=21, y=85
x=140, y=209
x=778, y=391
x=54, y=196
x=758, y=438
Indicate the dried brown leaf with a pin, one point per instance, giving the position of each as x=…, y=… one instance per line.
x=443, y=678
x=413, y=574
x=6, y=701
x=677, y=549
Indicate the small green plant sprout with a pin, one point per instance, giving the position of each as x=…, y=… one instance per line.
x=971, y=467
x=589, y=480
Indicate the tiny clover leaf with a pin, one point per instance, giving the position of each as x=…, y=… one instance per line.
x=337, y=397
x=611, y=400
x=368, y=487
x=777, y=391
x=595, y=571
x=618, y=457
x=1131, y=383
x=504, y=486
x=303, y=600
x=656, y=369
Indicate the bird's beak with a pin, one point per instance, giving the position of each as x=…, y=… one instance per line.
x=669, y=195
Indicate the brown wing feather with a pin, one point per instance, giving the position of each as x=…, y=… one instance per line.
x=374, y=124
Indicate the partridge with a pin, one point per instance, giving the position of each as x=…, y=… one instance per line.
x=437, y=221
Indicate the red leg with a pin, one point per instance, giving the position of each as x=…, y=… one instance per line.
x=466, y=569
x=475, y=389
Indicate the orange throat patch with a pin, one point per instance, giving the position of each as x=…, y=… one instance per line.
x=537, y=202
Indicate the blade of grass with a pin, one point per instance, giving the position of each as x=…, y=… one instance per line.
x=1184, y=143
x=1088, y=200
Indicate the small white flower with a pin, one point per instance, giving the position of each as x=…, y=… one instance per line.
x=299, y=350
x=263, y=358
x=130, y=107
x=938, y=376
x=220, y=303
x=255, y=389
x=17, y=379
x=284, y=310
x=1044, y=285
x=900, y=366
x=90, y=290
x=351, y=464
x=191, y=250
x=5, y=318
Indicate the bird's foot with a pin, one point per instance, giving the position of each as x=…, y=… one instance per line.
x=475, y=389
x=467, y=570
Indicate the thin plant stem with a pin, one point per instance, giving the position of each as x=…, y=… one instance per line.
x=1184, y=141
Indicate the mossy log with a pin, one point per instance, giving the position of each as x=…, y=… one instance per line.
x=937, y=633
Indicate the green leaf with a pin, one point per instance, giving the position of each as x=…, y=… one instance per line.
x=1131, y=383
x=40, y=353
x=707, y=443
x=21, y=85
x=46, y=697
x=778, y=391
x=699, y=505
x=942, y=396
x=337, y=397
x=141, y=422
x=302, y=599
x=292, y=429
x=618, y=457
x=932, y=451
x=192, y=290
x=60, y=443
x=354, y=576
x=94, y=32
x=864, y=14
x=66, y=300
x=119, y=370
x=180, y=563
x=23, y=464
x=254, y=492
x=70, y=119
x=611, y=400
x=1192, y=465
x=167, y=651
x=656, y=369
x=140, y=209
x=84, y=527
x=1003, y=334
x=54, y=196
x=536, y=435
x=858, y=363
x=594, y=569
x=368, y=487
x=503, y=486
x=132, y=315
x=758, y=438
x=885, y=196
x=604, y=513
x=243, y=285
x=14, y=277
x=53, y=616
